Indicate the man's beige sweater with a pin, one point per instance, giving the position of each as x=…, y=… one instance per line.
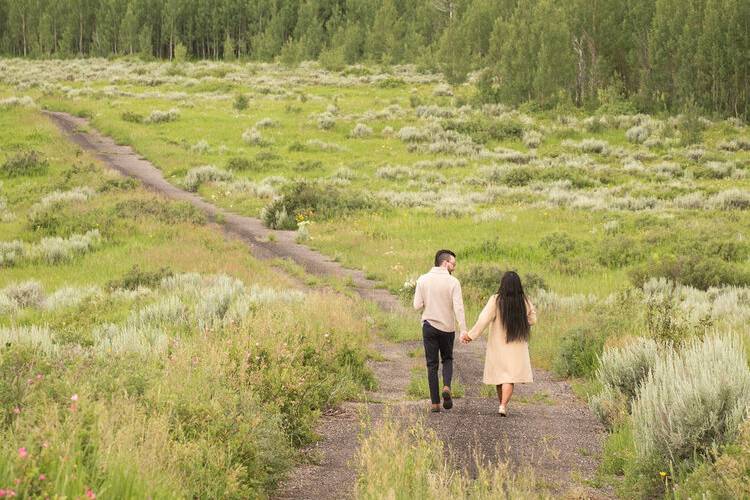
x=440, y=295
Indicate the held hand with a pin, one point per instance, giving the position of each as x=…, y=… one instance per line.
x=465, y=339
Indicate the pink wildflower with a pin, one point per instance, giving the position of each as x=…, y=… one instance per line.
x=16, y=410
x=42, y=477
x=22, y=452
x=90, y=493
x=74, y=397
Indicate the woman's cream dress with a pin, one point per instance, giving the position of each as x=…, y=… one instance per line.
x=505, y=362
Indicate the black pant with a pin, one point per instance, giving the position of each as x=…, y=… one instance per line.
x=437, y=341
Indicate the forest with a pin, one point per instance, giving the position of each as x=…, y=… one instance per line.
x=640, y=55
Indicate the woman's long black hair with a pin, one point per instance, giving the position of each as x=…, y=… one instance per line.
x=511, y=302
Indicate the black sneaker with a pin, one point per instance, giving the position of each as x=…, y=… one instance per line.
x=447, y=400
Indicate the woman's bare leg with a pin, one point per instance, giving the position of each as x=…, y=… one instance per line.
x=505, y=393
x=499, y=389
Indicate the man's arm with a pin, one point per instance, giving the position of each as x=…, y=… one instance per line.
x=458, y=307
x=418, y=299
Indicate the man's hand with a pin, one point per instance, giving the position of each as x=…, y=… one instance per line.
x=464, y=338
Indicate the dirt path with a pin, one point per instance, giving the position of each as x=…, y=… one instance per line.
x=547, y=428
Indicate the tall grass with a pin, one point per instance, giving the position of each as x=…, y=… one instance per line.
x=400, y=462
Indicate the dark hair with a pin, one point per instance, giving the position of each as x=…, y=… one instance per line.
x=442, y=256
x=511, y=302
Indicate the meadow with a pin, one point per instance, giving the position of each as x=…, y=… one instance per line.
x=628, y=230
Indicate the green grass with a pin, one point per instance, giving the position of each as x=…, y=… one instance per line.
x=418, y=387
x=219, y=410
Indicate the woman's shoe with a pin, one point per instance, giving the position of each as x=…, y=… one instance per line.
x=502, y=411
x=435, y=408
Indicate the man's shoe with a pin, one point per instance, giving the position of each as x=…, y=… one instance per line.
x=502, y=411
x=447, y=400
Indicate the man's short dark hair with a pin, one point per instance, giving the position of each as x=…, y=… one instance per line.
x=443, y=256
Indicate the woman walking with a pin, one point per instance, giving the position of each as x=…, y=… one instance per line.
x=509, y=314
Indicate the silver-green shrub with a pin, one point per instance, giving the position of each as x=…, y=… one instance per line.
x=207, y=173
x=624, y=368
x=158, y=116
x=38, y=337
x=55, y=250
x=693, y=399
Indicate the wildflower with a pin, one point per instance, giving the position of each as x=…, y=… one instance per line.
x=16, y=410
x=23, y=452
x=42, y=477
x=90, y=493
x=74, y=397
x=662, y=473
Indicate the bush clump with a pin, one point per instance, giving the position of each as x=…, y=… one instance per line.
x=620, y=372
x=304, y=200
x=137, y=278
x=158, y=116
x=696, y=271
x=25, y=163
x=693, y=400
x=579, y=353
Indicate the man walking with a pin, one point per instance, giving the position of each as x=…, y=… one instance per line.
x=439, y=294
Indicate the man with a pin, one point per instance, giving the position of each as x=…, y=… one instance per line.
x=439, y=294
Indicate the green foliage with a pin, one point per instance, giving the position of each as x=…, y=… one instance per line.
x=579, y=353
x=129, y=116
x=693, y=400
x=728, y=476
x=240, y=102
x=161, y=210
x=483, y=130
x=136, y=278
x=25, y=163
x=304, y=200
x=693, y=270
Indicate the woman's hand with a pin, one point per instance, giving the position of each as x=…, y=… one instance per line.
x=464, y=338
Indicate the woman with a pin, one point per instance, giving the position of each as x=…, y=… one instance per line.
x=509, y=315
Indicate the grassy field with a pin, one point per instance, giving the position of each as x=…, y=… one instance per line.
x=157, y=358
x=623, y=226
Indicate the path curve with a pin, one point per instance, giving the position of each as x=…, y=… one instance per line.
x=548, y=427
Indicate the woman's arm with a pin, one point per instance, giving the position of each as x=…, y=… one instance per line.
x=485, y=318
x=530, y=312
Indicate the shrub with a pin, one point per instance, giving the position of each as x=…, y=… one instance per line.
x=25, y=163
x=692, y=400
x=55, y=250
x=557, y=243
x=618, y=251
x=129, y=116
x=696, y=271
x=240, y=102
x=253, y=137
x=199, y=175
x=532, y=139
x=578, y=354
x=267, y=123
x=11, y=252
x=158, y=116
x=136, y=278
x=238, y=164
x=610, y=406
x=25, y=294
x=728, y=476
x=623, y=369
x=305, y=199
x=360, y=130
x=118, y=184
x=638, y=134
x=326, y=121
x=730, y=199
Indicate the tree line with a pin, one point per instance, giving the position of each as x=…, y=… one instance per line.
x=656, y=54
